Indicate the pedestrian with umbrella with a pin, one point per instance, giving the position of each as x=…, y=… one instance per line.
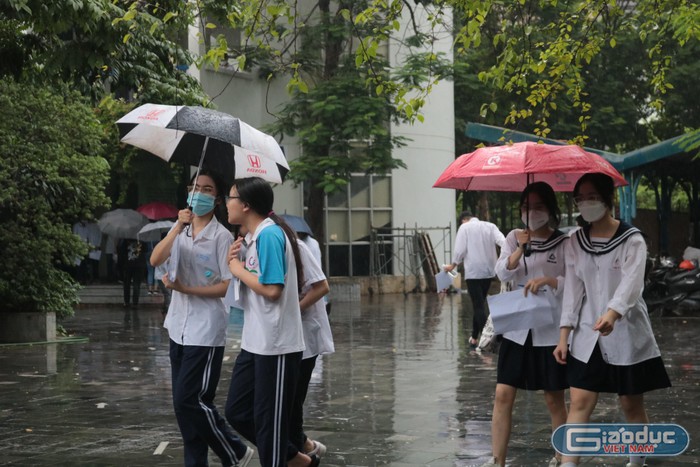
x=525, y=357
x=606, y=340
x=196, y=322
x=515, y=167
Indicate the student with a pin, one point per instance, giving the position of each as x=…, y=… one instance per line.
x=318, y=340
x=196, y=322
x=612, y=344
x=267, y=368
x=525, y=358
x=475, y=246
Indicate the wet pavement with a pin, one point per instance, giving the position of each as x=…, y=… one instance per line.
x=402, y=389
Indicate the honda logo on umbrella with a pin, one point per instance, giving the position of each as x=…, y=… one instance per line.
x=254, y=161
x=152, y=115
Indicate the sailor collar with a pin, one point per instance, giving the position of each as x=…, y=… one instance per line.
x=623, y=232
x=555, y=239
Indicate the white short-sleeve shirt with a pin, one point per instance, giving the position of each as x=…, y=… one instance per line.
x=271, y=327
x=202, y=261
x=318, y=337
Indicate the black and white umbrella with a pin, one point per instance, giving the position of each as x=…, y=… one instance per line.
x=192, y=134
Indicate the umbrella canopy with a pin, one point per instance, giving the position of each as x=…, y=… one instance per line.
x=158, y=210
x=298, y=224
x=512, y=167
x=153, y=231
x=122, y=223
x=181, y=133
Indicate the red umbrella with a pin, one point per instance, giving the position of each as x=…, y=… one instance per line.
x=512, y=167
x=158, y=210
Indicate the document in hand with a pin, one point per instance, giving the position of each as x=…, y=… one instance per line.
x=444, y=280
x=512, y=311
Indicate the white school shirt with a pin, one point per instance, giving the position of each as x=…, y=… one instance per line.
x=271, y=327
x=475, y=245
x=318, y=337
x=602, y=274
x=194, y=320
x=547, y=259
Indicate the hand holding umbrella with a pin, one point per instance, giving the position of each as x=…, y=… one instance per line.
x=523, y=238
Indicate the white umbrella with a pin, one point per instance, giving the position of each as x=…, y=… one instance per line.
x=152, y=231
x=191, y=135
x=122, y=223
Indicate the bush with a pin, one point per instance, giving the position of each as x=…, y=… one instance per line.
x=52, y=174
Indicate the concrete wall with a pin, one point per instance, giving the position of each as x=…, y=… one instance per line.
x=429, y=151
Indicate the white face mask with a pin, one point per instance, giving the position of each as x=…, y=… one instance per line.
x=592, y=211
x=535, y=220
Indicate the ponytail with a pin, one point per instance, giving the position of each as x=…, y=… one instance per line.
x=258, y=195
x=292, y=236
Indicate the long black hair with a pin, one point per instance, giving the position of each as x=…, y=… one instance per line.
x=602, y=183
x=258, y=195
x=549, y=199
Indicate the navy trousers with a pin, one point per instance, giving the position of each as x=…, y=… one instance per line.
x=259, y=402
x=478, y=290
x=297, y=437
x=195, y=375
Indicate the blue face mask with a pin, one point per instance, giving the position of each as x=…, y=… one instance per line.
x=201, y=203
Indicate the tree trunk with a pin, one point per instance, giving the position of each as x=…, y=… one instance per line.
x=314, y=204
x=483, y=207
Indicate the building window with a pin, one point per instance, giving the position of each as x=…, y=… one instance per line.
x=223, y=31
x=350, y=215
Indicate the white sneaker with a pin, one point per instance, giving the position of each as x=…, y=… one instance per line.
x=554, y=462
x=319, y=449
x=245, y=460
x=491, y=463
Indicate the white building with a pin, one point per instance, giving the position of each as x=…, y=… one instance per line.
x=404, y=198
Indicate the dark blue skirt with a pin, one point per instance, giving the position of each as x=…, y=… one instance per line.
x=625, y=380
x=530, y=368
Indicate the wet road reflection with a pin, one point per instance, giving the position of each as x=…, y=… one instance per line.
x=402, y=389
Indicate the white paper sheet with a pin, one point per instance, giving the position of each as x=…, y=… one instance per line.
x=512, y=311
x=444, y=280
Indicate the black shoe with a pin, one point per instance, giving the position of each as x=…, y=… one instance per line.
x=315, y=460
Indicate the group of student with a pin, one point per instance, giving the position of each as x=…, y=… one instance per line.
x=279, y=285
x=601, y=340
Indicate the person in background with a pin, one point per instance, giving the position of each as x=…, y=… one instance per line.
x=134, y=256
x=612, y=347
x=525, y=358
x=266, y=371
x=150, y=270
x=318, y=340
x=475, y=247
x=198, y=275
x=111, y=254
x=88, y=266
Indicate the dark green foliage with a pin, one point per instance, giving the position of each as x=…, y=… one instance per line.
x=52, y=175
x=85, y=43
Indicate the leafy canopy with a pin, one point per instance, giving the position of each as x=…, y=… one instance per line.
x=50, y=176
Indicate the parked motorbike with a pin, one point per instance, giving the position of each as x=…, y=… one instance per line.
x=672, y=289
